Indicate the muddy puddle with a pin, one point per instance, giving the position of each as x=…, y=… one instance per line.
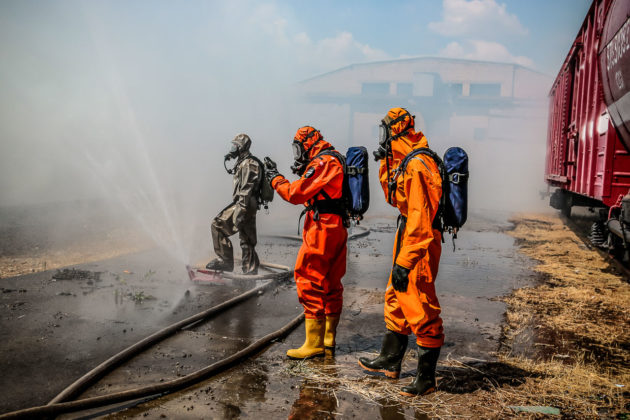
x=54, y=330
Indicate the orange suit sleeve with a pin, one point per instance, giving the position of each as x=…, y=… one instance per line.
x=319, y=173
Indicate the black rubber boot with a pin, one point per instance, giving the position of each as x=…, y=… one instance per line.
x=390, y=359
x=424, y=382
x=219, y=265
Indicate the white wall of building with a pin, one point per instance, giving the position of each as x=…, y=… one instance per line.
x=506, y=144
x=349, y=80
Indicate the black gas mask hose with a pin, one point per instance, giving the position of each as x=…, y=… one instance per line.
x=228, y=170
x=384, y=151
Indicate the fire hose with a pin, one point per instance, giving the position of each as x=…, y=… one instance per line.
x=154, y=390
x=362, y=231
x=58, y=406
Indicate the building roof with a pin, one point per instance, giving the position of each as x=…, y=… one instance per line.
x=419, y=59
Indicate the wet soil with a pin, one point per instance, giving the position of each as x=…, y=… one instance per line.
x=52, y=330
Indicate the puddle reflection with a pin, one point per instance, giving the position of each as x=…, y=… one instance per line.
x=317, y=400
x=248, y=387
x=391, y=410
x=314, y=402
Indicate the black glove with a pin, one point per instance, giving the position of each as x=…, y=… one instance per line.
x=271, y=169
x=400, y=278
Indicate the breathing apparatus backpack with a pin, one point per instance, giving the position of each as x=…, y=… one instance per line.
x=264, y=192
x=355, y=182
x=453, y=207
x=355, y=197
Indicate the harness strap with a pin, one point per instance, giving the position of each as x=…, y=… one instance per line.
x=399, y=135
x=261, y=179
x=328, y=206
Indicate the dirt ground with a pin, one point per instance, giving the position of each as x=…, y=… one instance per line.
x=47, y=237
x=533, y=318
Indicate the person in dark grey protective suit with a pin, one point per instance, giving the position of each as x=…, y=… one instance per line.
x=240, y=215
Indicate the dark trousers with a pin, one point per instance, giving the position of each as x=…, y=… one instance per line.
x=226, y=225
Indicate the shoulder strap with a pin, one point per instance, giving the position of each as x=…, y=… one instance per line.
x=402, y=167
x=424, y=151
x=342, y=160
x=437, y=222
x=262, y=167
x=332, y=152
x=262, y=172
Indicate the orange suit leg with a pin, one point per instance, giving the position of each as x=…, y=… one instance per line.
x=334, y=295
x=320, y=265
x=417, y=310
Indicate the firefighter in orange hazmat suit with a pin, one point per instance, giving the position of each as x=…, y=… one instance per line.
x=321, y=261
x=411, y=305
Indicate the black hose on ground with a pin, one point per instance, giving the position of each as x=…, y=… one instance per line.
x=363, y=231
x=99, y=371
x=161, y=389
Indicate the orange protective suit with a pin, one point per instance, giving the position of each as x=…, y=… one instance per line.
x=417, y=196
x=321, y=261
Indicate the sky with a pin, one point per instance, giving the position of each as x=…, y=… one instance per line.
x=284, y=40
x=138, y=99
x=535, y=33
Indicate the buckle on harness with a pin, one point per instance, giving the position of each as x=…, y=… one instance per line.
x=456, y=178
x=312, y=208
x=353, y=170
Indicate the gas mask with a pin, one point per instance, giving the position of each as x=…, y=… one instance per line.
x=384, y=150
x=383, y=143
x=384, y=138
x=240, y=147
x=232, y=154
x=300, y=154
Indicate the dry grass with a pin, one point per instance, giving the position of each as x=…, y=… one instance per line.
x=579, y=314
x=581, y=300
x=346, y=377
x=485, y=390
x=579, y=389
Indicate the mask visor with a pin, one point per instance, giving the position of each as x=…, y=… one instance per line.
x=382, y=134
x=233, y=153
x=298, y=151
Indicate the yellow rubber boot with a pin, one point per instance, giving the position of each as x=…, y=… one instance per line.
x=331, y=332
x=314, y=344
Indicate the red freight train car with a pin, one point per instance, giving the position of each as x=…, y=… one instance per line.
x=589, y=118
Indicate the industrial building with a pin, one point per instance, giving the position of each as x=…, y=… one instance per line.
x=452, y=98
x=496, y=111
